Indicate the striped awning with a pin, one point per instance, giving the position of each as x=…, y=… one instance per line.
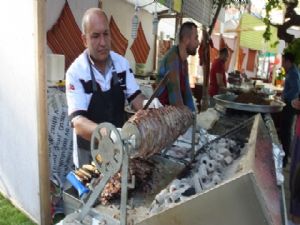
x=119, y=43
x=140, y=47
x=65, y=36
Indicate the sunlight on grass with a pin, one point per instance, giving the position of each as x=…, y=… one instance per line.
x=9, y=215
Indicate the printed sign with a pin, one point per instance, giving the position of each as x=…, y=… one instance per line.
x=59, y=137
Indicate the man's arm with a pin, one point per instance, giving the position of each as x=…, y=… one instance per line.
x=84, y=127
x=137, y=102
x=77, y=105
x=221, y=85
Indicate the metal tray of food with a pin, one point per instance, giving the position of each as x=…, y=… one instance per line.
x=227, y=101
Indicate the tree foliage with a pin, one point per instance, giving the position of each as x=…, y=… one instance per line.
x=293, y=48
x=231, y=2
x=270, y=5
x=290, y=18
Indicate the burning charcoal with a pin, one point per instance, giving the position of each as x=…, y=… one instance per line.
x=168, y=200
x=197, y=184
x=224, y=151
x=216, y=179
x=228, y=160
x=161, y=196
x=210, y=166
x=189, y=192
x=175, y=185
x=208, y=185
x=236, y=152
x=177, y=200
x=219, y=158
x=202, y=172
x=204, y=159
x=175, y=196
x=155, y=209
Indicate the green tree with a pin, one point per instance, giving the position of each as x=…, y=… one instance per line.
x=294, y=47
x=290, y=18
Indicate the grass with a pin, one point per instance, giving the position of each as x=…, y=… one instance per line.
x=9, y=215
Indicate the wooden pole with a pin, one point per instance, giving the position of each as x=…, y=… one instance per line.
x=211, y=27
x=43, y=161
x=154, y=52
x=206, y=57
x=100, y=4
x=237, y=48
x=206, y=68
x=178, y=23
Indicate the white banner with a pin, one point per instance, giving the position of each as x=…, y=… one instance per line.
x=59, y=136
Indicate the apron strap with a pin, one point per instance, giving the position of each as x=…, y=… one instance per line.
x=94, y=84
x=115, y=78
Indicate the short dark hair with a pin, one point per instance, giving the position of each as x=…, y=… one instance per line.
x=186, y=29
x=223, y=51
x=289, y=56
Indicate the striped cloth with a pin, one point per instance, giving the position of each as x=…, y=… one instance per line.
x=119, y=43
x=65, y=36
x=140, y=47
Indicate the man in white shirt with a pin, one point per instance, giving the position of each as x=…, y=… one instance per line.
x=97, y=84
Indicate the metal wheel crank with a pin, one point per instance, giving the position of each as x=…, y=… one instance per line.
x=107, y=153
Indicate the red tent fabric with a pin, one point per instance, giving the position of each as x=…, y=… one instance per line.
x=65, y=36
x=119, y=43
x=140, y=47
x=222, y=43
x=241, y=59
x=230, y=52
x=251, y=60
x=214, y=53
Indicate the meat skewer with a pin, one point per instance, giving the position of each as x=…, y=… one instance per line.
x=156, y=129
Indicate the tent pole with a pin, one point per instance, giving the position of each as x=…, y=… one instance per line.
x=43, y=161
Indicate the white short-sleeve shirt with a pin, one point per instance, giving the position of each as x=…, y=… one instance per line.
x=79, y=73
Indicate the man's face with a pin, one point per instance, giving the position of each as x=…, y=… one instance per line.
x=97, y=38
x=193, y=43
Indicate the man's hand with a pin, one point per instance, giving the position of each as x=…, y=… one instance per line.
x=154, y=104
x=84, y=127
x=137, y=102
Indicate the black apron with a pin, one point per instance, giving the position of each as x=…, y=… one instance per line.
x=105, y=106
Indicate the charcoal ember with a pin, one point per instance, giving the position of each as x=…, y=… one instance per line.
x=160, y=127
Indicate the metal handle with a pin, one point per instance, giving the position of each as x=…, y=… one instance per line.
x=161, y=84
